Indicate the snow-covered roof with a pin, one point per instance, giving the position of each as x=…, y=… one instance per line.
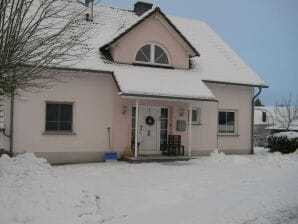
x=163, y=83
x=217, y=61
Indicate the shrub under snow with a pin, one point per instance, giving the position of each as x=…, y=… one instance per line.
x=284, y=142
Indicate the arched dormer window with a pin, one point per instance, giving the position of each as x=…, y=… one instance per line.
x=152, y=54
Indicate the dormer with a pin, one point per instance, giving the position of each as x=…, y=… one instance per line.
x=152, y=41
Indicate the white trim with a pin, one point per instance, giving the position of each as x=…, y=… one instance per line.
x=136, y=128
x=199, y=115
x=189, y=131
x=73, y=104
x=152, y=54
x=235, y=133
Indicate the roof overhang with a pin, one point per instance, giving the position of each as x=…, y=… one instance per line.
x=237, y=84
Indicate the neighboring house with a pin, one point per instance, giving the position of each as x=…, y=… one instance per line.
x=267, y=121
x=144, y=73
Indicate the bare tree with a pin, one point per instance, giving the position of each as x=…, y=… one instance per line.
x=286, y=113
x=36, y=34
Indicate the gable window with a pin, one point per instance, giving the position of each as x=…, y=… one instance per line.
x=196, y=116
x=227, y=122
x=152, y=54
x=59, y=117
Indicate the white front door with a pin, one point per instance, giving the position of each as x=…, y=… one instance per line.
x=149, y=130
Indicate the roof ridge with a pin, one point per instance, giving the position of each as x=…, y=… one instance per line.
x=113, y=7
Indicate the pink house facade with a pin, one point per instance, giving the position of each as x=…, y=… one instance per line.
x=146, y=77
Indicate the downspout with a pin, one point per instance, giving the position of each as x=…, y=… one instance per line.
x=252, y=119
x=217, y=135
x=11, y=124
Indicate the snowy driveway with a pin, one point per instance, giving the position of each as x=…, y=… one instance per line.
x=218, y=189
x=258, y=189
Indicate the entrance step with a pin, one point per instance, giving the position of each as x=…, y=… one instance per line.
x=155, y=158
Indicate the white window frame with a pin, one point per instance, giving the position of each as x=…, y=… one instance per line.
x=199, y=114
x=60, y=132
x=235, y=123
x=152, y=55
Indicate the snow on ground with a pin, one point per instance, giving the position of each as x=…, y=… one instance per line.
x=32, y=192
x=258, y=189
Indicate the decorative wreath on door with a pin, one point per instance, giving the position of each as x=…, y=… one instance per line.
x=150, y=120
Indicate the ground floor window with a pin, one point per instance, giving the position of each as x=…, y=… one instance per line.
x=226, y=122
x=59, y=117
x=196, y=116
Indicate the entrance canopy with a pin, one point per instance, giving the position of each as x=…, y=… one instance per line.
x=161, y=83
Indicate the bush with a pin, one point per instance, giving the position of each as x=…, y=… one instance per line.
x=284, y=142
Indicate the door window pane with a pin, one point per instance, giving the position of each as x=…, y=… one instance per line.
x=164, y=113
x=163, y=124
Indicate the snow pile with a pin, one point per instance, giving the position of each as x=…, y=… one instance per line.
x=288, y=134
x=216, y=155
x=260, y=150
x=30, y=192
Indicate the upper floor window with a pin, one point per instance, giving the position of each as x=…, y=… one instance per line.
x=152, y=54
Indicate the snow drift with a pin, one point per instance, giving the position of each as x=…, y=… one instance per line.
x=30, y=192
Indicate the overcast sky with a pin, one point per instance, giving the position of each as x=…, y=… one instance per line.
x=263, y=32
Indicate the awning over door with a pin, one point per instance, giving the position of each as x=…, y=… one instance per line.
x=161, y=83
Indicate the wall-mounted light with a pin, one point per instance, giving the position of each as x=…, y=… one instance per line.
x=181, y=112
x=124, y=109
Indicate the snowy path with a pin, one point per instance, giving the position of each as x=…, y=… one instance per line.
x=260, y=189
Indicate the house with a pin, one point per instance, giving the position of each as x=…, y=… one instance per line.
x=268, y=120
x=146, y=76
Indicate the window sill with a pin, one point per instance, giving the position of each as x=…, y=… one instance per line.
x=58, y=133
x=196, y=123
x=153, y=65
x=228, y=135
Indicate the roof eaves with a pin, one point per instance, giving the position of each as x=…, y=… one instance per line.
x=168, y=97
x=236, y=84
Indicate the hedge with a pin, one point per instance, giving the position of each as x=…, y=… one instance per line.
x=282, y=143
